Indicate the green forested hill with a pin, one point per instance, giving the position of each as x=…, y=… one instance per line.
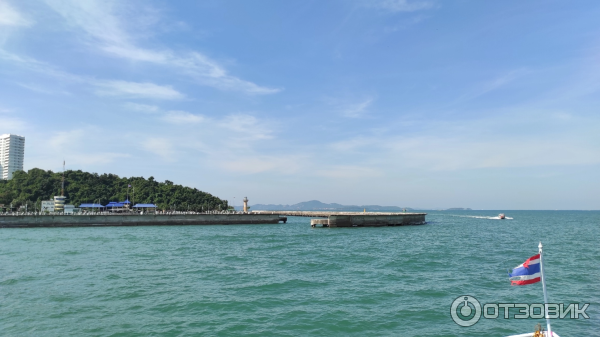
x=83, y=187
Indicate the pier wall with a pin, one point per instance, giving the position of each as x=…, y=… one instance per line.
x=26, y=221
x=376, y=220
x=356, y=219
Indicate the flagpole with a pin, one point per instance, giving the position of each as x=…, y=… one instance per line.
x=549, y=333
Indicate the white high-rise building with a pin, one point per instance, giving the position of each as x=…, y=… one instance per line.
x=12, y=151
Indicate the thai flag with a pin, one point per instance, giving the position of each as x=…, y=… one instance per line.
x=526, y=273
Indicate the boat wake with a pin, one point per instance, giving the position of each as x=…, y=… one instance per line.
x=483, y=217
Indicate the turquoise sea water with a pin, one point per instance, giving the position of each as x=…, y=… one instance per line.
x=293, y=280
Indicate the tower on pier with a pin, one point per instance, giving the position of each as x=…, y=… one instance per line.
x=245, y=204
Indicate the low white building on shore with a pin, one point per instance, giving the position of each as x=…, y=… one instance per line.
x=48, y=206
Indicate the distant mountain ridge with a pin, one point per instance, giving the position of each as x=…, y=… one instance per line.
x=316, y=205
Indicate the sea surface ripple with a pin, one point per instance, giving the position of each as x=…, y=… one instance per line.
x=293, y=280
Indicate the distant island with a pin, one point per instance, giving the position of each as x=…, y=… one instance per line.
x=315, y=205
x=35, y=185
x=459, y=209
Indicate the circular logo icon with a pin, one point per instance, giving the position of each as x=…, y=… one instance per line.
x=465, y=310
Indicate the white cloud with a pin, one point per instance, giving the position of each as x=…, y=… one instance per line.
x=46, y=150
x=138, y=54
x=476, y=144
x=235, y=143
x=92, y=16
x=42, y=90
x=162, y=147
x=137, y=90
x=356, y=110
x=246, y=127
x=106, y=30
x=211, y=73
x=62, y=139
x=348, y=145
x=350, y=106
x=491, y=85
x=172, y=116
x=147, y=108
x=9, y=16
x=40, y=67
x=182, y=117
x=105, y=87
x=402, y=5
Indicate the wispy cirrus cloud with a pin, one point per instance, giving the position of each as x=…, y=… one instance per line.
x=246, y=127
x=210, y=73
x=228, y=143
x=137, y=90
x=182, y=117
x=116, y=88
x=232, y=143
x=492, y=85
x=45, y=148
x=34, y=65
x=148, y=108
x=106, y=30
x=42, y=90
x=350, y=106
x=357, y=110
x=9, y=16
x=562, y=140
x=401, y=5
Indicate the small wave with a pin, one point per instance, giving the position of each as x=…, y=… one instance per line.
x=8, y=282
x=71, y=252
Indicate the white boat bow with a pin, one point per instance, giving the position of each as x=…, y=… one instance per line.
x=531, y=334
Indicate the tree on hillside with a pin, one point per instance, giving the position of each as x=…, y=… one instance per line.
x=36, y=185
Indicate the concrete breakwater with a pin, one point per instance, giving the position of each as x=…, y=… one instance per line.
x=27, y=221
x=355, y=219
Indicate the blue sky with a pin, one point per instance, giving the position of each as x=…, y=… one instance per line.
x=488, y=105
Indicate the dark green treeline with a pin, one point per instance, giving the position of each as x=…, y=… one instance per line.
x=82, y=187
